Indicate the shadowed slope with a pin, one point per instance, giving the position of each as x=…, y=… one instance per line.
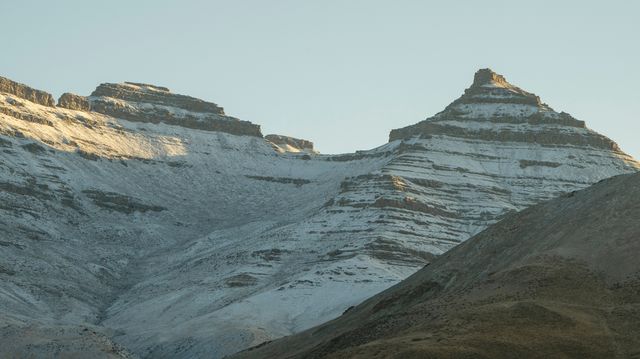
x=560, y=279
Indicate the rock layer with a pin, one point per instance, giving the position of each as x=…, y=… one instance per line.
x=148, y=103
x=74, y=102
x=145, y=93
x=290, y=144
x=26, y=92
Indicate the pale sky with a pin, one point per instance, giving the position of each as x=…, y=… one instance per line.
x=339, y=73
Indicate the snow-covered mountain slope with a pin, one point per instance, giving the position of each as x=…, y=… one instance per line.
x=163, y=224
x=557, y=280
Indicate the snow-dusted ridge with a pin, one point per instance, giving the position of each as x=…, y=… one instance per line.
x=172, y=229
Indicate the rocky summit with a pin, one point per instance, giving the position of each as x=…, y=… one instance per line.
x=138, y=222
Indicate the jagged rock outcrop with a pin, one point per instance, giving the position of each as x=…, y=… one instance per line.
x=74, y=102
x=148, y=103
x=290, y=144
x=26, y=92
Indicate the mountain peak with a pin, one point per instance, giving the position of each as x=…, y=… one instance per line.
x=492, y=109
x=484, y=77
x=491, y=87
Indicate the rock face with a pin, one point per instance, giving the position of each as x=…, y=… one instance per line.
x=559, y=279
x=74, y=102
x=26, y=92
x=148, y=233
x=148, y=103
x=151, y=94
x=290, y=144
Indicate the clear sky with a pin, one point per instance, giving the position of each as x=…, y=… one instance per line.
x=340, y=73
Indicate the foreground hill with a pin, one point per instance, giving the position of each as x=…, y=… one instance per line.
x=557, y=280
x=172, y=229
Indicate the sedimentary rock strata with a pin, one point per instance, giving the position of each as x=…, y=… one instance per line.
x=154, y=215
x=26, y=92
x=149, y=103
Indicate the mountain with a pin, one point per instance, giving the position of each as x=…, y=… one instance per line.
x=171, y=229
x=557, y=280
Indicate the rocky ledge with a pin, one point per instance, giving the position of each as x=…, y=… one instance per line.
x=74, y=102
x=290, y=144
x=149, y=103
x=151, y=94
x=26, y=92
